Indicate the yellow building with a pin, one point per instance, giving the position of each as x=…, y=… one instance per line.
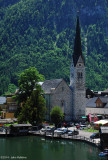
x=8, y=107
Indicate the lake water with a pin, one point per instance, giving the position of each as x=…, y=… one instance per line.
x=37, y=148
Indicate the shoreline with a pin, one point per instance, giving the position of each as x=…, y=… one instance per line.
x=83, y=136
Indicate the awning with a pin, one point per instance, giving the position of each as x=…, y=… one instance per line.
x=103, y=121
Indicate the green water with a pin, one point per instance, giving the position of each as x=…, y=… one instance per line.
x=36, y=148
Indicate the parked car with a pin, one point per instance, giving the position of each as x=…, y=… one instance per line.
x=76, y=132
x=71, y=133
x=60, y=130
x=76, y=124
x=47, y=129
x=95, y=135
x=81, y=127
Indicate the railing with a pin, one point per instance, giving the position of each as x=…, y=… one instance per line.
x=66, y=136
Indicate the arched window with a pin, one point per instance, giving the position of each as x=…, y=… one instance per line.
x=62, y=105
x=79, y=75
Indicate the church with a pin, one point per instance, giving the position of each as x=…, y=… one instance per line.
x=70, y=98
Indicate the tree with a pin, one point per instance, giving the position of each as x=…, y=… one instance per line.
x=11, y=89
x=28, y=81
x=30, y=97
x=33, y=110
x=56, y=115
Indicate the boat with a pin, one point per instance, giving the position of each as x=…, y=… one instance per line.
x=104, y=153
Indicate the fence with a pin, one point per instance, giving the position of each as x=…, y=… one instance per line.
x=66, y=136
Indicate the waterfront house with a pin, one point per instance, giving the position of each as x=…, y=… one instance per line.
x=8, y=106
x=97, y=106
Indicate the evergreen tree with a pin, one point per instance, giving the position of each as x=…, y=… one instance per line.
x=33, y=110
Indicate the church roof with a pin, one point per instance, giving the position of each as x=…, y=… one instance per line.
x=77, y=44
x=49, y=85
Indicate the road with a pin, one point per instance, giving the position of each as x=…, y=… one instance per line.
x=85, y=134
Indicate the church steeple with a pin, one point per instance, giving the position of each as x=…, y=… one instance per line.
x=77, y=44
x=77, y=77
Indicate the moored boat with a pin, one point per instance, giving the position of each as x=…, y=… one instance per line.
x=104, y=153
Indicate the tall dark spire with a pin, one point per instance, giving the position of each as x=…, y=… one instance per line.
x=77, y=45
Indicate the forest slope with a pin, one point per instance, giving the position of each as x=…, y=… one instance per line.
x=40, y=33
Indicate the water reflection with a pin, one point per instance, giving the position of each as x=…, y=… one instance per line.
x=43, y=149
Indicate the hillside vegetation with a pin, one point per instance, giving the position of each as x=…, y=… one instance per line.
x=40, y=33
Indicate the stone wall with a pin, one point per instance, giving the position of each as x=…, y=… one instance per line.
x=77, y=81
x=62, y=96
x=79, y=104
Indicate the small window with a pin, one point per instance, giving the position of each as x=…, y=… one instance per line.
x=62, y=103
x=99, y=105
x=62, y=89
x=80, y=65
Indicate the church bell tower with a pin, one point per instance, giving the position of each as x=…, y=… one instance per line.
x=77, y=77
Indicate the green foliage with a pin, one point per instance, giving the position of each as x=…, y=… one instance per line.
x=40, y=33
x=30, y=99
x=28, y=81
x=91, y=130
x=17, y=112
x=33, y=110
x=100, y=124
x=11, y=89
x=56, y=115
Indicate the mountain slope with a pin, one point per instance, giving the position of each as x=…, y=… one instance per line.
x=41, y=33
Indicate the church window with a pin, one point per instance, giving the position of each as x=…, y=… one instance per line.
x=79, y=75
x=62, y=103
x=62, y=89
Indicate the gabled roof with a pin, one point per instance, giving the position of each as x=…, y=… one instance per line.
x=104, y=99
x=50, y=84
x=106, y=106
x=91, y=102
x=2, y=100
